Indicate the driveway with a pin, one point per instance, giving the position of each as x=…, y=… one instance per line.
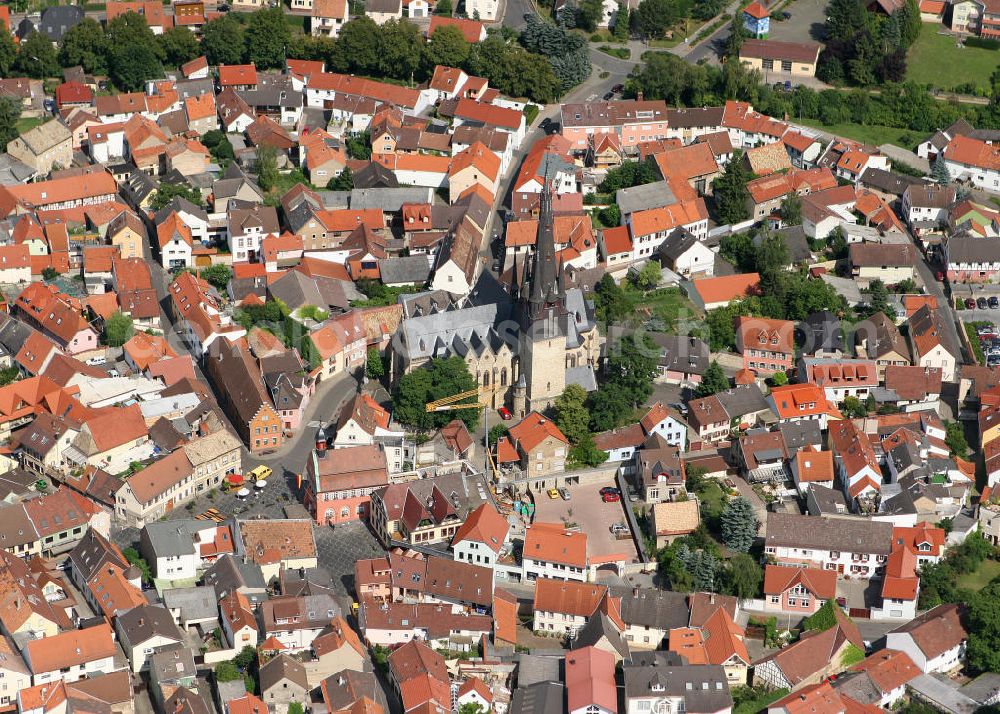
x=806, y=24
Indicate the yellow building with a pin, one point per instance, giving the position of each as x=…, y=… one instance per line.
x=780, y=60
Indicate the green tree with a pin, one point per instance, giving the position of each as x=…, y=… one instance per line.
x=791, y=210
x=85, y=44
x=246, y=657
x=632, y=367
x=267, y=167
x=343, y=182
x=10, y=112
x=437, y=379
x=939, y=171
x=586, y=453
x=9, y=375
x=497, y=432
x=374, y=366
x=358, y=46
x=36, y=57
x=779, y=379
x=167, y=192
x=133, y=66
x=954, y=438
x=571, y=414
x=620, y=29
x=400, y=49
x=129, y=29
x=742, y=576
x=738, y=34
x=610, y=300
x=652, y=18
x=609, y=409
x=630, y=173
x=853, y=408
x=226, y=671
x=821, y=620
x=217, y=275
x=8, y=50
x=470, y=708
x=133, y=558
x=267, y=38
x=443, y=7
x=713, y=381
x=222, y=41
x=447, y=46
x=611, y=215
x=739, y=524
x=649, y=276
x=731, y=194
x=179, y=45
x=118, y=329
x=845, y=18
x=589, y=14
x=49, y=274
x=295, y=708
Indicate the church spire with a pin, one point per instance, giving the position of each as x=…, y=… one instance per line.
x=543, y=273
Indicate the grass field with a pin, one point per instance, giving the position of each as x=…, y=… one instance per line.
x=933, y=59
x=667, y=304
x=986, y=572
x=28, y=123
x=619, y=52
x=874, y=134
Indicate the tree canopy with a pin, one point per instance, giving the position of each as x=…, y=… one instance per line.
x=437, y=379
x=118, y=329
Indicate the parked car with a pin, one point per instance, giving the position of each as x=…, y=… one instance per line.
x=981, y=303
x=617, y=528
x=618, y=88
x=564, y=493
x=611, y=497
x=970, y=303
x=994, y=302
x=504, y=413
x=608, y=96
x=545, y=123
x=553, y=493
x=95, y=361
x=939, y=276
x=986, y=330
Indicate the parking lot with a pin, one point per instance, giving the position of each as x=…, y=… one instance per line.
x=806, y=24
x=585, y=506
x=989, y=340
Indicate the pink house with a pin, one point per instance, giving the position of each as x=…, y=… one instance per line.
x=58, y=316
x=799, y=590
x=590, y=682
x=633, y=121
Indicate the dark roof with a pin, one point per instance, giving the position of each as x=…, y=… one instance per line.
x=375, y=175
x=413, y=270
x=56, y=20
x=888, y=181
x=796, y=243
x=822, y=331
x=146, y=621
x=682, y=353
x=280, y=668
x=651, y=607
x=538, y=698
x=703, y=687
x=852, y=535
x=677, y=244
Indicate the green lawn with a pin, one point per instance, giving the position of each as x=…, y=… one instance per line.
x=619, y=52
x=28, y=123
x=666, y=304
x=874, y=135
x=986, y=572
x=933, y=59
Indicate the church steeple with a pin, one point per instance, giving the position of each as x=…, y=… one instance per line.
x=543, y=271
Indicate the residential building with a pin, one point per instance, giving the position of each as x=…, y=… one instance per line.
x=71, y=656
x=798, y=590
x=553, y=552
x=45, y=148
x=852, y=546
x=777, y=60
x=590, y=682
x=338, y=484
x=144, y=629
x=766, y=345
x=935, y=640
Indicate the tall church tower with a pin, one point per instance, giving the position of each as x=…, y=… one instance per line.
x=542, y=299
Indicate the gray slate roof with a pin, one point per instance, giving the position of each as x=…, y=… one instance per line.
x=413, y=270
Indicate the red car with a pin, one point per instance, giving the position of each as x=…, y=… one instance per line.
x=970, y=304
x=610, y=494
x=939, y=276
x=504, y=413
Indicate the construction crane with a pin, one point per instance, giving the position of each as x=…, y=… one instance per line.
x=458, y=401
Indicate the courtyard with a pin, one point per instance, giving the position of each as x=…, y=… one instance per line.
x=585, y=507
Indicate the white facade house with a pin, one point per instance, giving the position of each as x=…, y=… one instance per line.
x=853, y=546
x=71, y=656
x=973, y=161
x=935, y=641
x=176, y=253
x=485, y=10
